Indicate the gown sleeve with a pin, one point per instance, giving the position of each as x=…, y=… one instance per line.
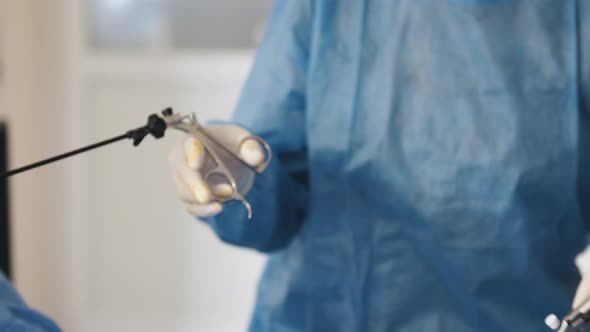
x=272, y=106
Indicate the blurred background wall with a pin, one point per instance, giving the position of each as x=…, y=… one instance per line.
x=99, y=241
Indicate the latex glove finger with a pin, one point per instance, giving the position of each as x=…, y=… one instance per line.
x=191, y=204
x=196, y=184
x=184, y=192
x=195, y=156
x=185, y=159
x=251, y=152
x=203, y=210
x=194, y=153
x=237, y=139
x=582, y=293
x=186, y=195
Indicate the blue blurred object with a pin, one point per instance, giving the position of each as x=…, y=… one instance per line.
x=432, y=164
x=15, y=316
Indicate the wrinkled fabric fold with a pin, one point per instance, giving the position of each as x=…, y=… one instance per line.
x=432, y=169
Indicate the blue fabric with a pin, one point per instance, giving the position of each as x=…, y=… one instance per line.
x=15, y=316
x=431, y=164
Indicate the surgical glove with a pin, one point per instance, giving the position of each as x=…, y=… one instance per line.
x=583, y=292
x=188, y=157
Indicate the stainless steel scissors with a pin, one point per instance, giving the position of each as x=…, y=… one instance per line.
x=223, y=163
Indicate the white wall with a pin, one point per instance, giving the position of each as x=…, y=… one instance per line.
x=142, y=249
x=20, y=106
x=100, y=242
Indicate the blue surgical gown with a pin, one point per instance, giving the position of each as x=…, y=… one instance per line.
x=431, y=167
x=15, y=316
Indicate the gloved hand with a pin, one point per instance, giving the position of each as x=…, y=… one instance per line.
x=188, y=157
x=583, y=292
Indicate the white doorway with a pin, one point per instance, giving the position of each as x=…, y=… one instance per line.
x=106, y=247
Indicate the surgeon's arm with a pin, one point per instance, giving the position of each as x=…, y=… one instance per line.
x=272, y=106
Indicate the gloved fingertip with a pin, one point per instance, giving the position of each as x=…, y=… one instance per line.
x=216, y=207
x=200, y=191
x=204, y=211
x=251, y=152
x=222, y=190
x=582, y=293
x=194, y=153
